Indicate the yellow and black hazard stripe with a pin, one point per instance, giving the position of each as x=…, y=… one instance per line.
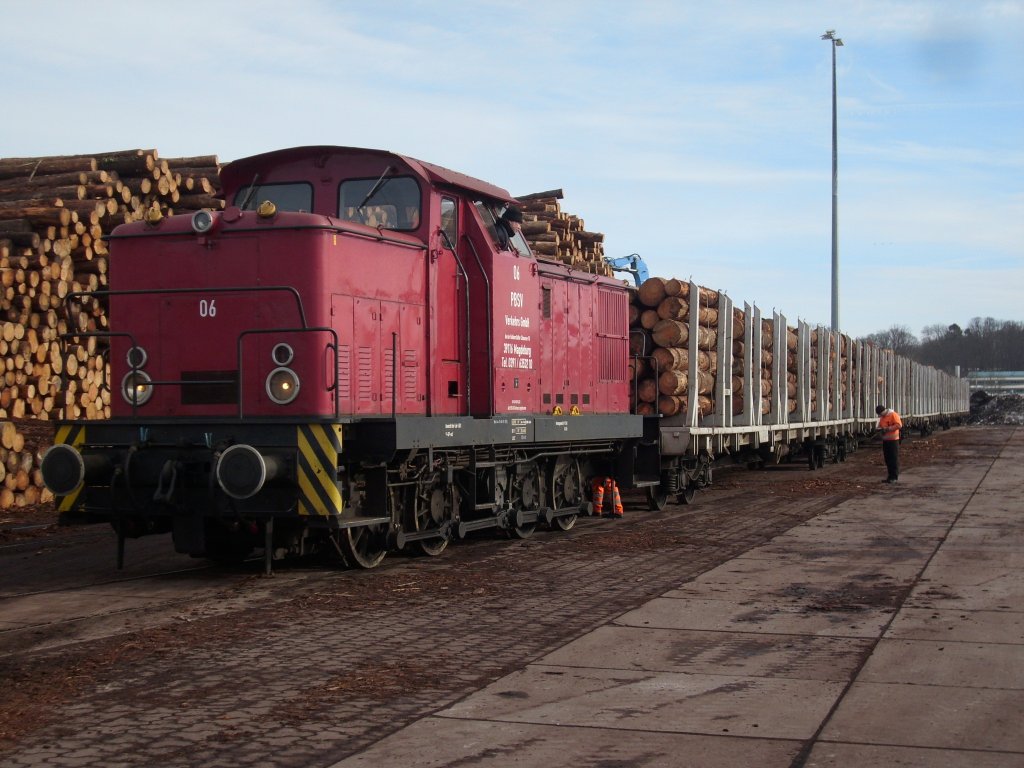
x=73, y=435
x=319, y=446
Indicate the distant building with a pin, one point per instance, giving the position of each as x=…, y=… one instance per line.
x=997, y=382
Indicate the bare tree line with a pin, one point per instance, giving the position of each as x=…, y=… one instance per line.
x=984, y=344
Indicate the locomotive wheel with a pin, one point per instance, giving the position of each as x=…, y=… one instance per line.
x=566, y=490
x=432, y=508
x=524, y=531
x=363, y=546
x=657, y=498
x=529, y=497
x=686, y=495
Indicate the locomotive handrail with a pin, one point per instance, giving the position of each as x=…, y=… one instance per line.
x=78, y=295
x=490, y=329
x=394, y=373
x=469, y=324
x=372, y=233
x=194, y=382
x=315, y=329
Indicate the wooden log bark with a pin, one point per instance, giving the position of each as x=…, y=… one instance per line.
x=640, y=342
x=652, y=292
x=667, y=358
x=19, y=232
x=673, y=382
x=195, y=202
x=552, y=193
x=38, y=215
x=128, y=161
x=648, y=319
x=671, y=333
x=673, y=308
x=31, y=167
x=647, y=390
x=201, y=161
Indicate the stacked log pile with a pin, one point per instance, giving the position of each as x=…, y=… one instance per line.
x=660, y=331
x=554, y=234
x=54, y=215
x=660, y=339
x=21, y=484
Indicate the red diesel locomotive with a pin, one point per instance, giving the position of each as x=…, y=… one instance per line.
x=349, y=356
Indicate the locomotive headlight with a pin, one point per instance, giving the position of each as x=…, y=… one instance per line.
x=202, y=221
x=282, y=354
x=282, y=385
x=136, y=388
x=136, y=357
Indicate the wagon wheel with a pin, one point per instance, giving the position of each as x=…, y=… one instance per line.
x=566, y=489
x=689, y=491
x=363, y=546
x=528, y=496
x=434, y=505
x=657, y=498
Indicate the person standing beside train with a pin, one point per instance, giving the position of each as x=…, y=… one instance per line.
x=889, y=424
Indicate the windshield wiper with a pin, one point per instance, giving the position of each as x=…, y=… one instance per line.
x=376, y=187
x=252, y=191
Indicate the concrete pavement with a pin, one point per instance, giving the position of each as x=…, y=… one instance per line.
x=886, y=632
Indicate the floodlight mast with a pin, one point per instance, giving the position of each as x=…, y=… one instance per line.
x=830, y=35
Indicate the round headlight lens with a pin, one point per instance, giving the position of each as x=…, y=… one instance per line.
x=282, y=385
x=282, y=354
x=202, y=222
x=136, y=357
x=135, y=387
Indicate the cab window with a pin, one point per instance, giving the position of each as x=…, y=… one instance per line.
x=449, y=220
x=291, y=196
x=388, y=202
x=490, y=215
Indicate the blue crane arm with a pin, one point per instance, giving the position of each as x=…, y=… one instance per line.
x=632, y=264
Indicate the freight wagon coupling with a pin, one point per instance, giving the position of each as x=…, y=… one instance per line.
x=365, y=352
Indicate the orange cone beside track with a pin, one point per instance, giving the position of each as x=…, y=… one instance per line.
x=597, y=491
x=612, y=489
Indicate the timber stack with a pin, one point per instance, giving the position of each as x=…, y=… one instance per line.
x=54, y=215
x=659, y=342
x=554, y=234
x=659, y=345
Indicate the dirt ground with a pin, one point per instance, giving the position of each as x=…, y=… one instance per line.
x=496, y=572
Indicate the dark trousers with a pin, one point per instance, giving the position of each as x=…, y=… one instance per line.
x=891, y=452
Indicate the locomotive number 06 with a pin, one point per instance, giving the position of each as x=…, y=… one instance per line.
x=207, y=307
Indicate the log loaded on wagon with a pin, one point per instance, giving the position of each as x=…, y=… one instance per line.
x=349, y=357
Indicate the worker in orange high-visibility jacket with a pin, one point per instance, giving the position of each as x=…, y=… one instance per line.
x=889, y=424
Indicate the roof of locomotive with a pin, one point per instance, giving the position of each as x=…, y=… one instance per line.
x=240, y=172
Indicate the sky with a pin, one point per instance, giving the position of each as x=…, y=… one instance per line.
x=697, y=134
